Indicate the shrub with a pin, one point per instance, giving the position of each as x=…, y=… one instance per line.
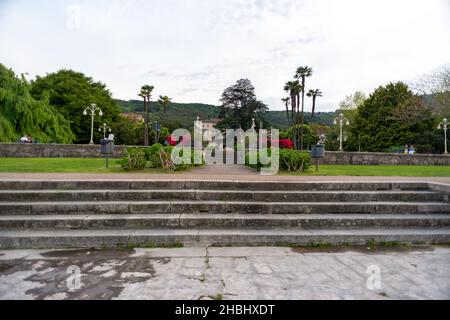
x=160, y=156
x=134, y=159
x=153, y=155
x=293, y=160
x=290, y=160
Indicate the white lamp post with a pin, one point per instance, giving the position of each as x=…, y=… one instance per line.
x=105, y=129
x=341, y=120
x=92, y=109
x=444, y=125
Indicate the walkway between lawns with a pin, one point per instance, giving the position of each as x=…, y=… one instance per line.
x=210, y=173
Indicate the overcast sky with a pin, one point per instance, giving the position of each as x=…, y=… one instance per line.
x=192, y=49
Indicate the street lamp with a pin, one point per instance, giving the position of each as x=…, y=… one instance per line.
x=93, y=109
x=444, y=125
x=105, y=129
x=341, y=120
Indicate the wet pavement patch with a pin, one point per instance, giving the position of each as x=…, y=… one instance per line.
x=103, y=274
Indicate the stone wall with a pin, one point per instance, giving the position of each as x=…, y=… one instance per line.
x=53, y=151
x=89, y=151
x=372, y=158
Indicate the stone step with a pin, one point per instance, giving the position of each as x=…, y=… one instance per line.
x=218, y=237
x=156, y=207
x=204, y=221
x=219, y=195
x=207, y=185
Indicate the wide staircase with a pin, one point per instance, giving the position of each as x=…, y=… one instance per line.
x=88, y=214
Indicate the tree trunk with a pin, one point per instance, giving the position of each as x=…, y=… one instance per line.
x=313, y=107
x=287, y=112
x=303, y=116
x=146, y=142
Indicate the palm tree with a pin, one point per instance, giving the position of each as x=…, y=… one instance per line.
x=302, y=73
x=314, y=94
x=294, y=88
x=164, y=101
x=146, y=94
x=286, y=102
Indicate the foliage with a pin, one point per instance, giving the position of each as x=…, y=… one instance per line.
x=160, y=156
x=309, y=136
x=152, y=155
x=377, y=125
x=70, y=93
x=435, y=88
x=22, y=114
x=294, y=161
x=353, y=101
x=240, y=105
x=134, y=159
x=164, y=101
x=290, y=160
x=127, y=132
x=314, y=94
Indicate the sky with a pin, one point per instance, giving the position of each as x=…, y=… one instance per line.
x=191, y=50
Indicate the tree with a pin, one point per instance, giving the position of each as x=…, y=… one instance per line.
x=435, y=88
x=22, y=114
x=393, y=116
x=309, y=135
x=314, y=94
x=353, y=101
x=146, y=94
x=164, y=101
x=303, y=73
x=127, y=132
x=294, y=88
x=70, y=92
x=239, y=106
x=286, y=102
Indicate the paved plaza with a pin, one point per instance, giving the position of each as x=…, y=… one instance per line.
x=227, y=273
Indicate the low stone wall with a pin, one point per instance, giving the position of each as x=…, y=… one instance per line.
x=342, y=158
x=14, y=150
x=372, y=158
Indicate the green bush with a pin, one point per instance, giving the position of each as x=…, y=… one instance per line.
x=153, y=155
x=293, y=160
x=290, y=160
x=160, y=156
x=134, y=159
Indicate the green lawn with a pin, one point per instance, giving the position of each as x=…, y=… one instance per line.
x=67, y=165
x=400, y=171
x=59, y=165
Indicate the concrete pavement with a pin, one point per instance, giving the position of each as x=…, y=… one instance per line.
x=227, y=273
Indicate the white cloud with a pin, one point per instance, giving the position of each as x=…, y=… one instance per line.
x=191, y=50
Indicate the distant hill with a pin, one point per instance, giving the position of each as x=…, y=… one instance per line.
x=278, y=119
x=179, y=115
x=183, y=115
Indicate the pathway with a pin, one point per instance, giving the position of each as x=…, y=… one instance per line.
x=210, y=174
x=229, y=273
